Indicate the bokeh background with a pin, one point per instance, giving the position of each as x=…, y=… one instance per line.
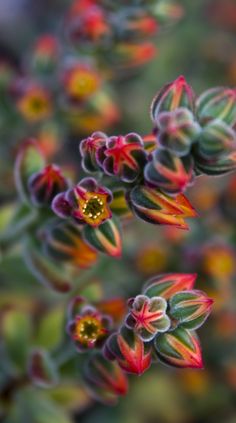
x=202, y=47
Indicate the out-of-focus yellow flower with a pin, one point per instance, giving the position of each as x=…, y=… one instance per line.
x=219, y=261
x=35, y=104
x=81, y=82
x=195, y=382
x=151, y=259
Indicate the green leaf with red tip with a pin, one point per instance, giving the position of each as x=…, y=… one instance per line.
x=105, y=238
x=44, y=271
x=41, y=369
x=63, y=242
x=216, y=140
x=214, y=167
x=28, y=161
x=217, y=103
x=179, y=348
x=172, y=96
x=169, y=284
x=156, y=207
x=132, y=354
x=190, y=308
x=104, y=379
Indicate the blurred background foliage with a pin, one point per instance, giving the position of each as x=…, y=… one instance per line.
x=202, y=46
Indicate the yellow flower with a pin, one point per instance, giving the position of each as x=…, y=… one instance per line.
x=35, y=104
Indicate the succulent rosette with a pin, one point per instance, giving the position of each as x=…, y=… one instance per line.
x=147, y=316
x=161, y=322
x=87, y=202
x=123, y=156
x=87, y=327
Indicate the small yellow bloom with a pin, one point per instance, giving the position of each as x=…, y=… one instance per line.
x=35, y=105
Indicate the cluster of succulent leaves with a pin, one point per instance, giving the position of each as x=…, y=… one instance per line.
x=160, y=326
x=63, y=83
x=130, y=175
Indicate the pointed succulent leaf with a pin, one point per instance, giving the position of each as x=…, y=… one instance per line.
x=16, y=331
x=62, y=241
x=41, y=369
x=169, y=284
x=190, y=308
x=28, y=161
x=214, y=167
x=179, y=348
x=104, y=379
x=217, y=103
x=132, y=354
x=216, y=140
x=156, y=207
x=169, y=172
x=105, y=238
x=172, y=96
x=44, y=271
x=23, y=218
x=177, y=130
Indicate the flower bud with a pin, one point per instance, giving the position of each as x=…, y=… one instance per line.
x=124, y=156
x=46, y=184
x=88, y=150
x=179, y=348
x=147, y=317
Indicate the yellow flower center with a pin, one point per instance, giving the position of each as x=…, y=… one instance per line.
x=93, y=208
x=88, y=329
